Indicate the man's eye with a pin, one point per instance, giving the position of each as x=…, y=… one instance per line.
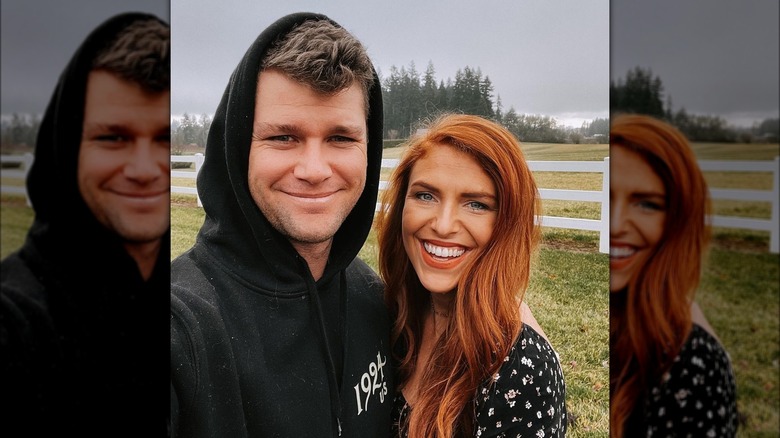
x=342, y=139
x=281, y=138
x=111, y=138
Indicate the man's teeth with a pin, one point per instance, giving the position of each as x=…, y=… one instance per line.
x=621, y=251
x=440, y=251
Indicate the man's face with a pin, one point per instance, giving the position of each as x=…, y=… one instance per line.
x=124, y=157
x=307, y=160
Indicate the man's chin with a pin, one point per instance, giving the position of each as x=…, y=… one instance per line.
x=316, y=230
x=141, y=235
x=310, y=236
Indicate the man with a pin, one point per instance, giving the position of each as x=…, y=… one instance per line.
x=83, y=304
x=276, y=328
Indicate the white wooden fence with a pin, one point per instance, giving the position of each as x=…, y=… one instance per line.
x=25, y=162
x=197, y=159
x=771, y=225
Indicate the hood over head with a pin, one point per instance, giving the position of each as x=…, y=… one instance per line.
x=235, y=230
x=64, y=228
x=74, y=301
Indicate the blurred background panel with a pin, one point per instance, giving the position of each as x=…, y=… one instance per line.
x=37, y=41
x=710, y=67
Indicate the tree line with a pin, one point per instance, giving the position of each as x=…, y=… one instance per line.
x=641, y=92
x=19, y=133
x=411, y=99
x=189, y=130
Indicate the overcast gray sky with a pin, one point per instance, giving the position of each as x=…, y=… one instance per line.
x=39, y=38
x=717, y=57
x=546, y=57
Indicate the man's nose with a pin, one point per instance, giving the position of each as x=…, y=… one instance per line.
x=142, y=164
x=313, y=165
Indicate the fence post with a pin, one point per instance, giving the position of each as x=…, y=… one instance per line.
x=198, y=162
x=605, y=217
x=774, y=234
x=28, y=159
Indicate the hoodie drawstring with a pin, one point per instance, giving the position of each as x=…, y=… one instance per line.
x=335, y=398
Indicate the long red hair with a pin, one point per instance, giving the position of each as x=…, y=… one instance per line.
x=486, y=316
x=651, y=319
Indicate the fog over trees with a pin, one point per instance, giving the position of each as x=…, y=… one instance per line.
x=641, y=92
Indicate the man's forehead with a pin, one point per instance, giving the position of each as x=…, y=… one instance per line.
x=107, y=80
x=262, y=86
x=295, y=126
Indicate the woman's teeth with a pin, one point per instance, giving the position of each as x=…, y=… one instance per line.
x=440, y=251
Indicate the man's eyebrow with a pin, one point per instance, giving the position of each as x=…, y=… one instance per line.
x=349, y=130
x=280, y=128
x=105, y=127
x=272, y=127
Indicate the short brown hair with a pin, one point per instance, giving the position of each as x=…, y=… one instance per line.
x=323, y=56
x=140, y=53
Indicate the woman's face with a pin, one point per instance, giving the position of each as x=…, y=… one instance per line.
x=449, y=213
x=638, y=210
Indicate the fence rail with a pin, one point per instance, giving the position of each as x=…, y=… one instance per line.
x=25, y=162
x=771, y=225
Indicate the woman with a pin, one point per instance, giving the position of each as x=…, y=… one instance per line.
x=456, y=237
x=669, y=375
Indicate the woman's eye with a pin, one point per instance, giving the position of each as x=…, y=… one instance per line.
x=651, y=206
x=474, y=205
x=424, y=196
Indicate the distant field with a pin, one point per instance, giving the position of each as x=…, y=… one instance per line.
x=736, y=151
x=579, y=181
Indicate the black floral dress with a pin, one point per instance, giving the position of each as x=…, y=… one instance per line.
x=525, y=398
x=695, y=398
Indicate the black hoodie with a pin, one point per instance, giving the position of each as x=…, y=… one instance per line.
x=83, y=336
x=258, y=348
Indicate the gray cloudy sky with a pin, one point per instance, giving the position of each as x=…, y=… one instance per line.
x=39, y=38
x=716, y=57
x=546, y=57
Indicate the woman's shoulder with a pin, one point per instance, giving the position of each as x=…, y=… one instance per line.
x=527, y=394
x=698, y=393
x=702, y=350
x=531, y=360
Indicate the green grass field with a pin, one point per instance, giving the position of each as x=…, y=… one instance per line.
x=568, y=292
